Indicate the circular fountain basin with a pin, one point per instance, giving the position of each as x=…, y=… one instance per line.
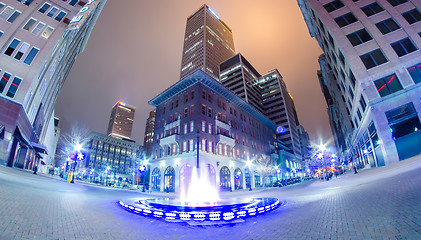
x=223, y=210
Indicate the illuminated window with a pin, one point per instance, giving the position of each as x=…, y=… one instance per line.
x=29, y=24
x=13, y=17
x=47, y=32
x=191, y=146
x=346, y=19
x=191, y=126
x=184, y=146
x=412, y=16
x=372, y=9
x=4, y=79
x=359, y=37
x=403, y=47
x=203, y=126
x=373, y=58
x=388, y=85
x=387, y=26
x=415, y=72
x=210, y=146
x=38, y=28
x=44, y=8
x=6, y=12
x=203, y=144
x=12, y=46
x=185, y=128
x=332, y=6
x=209, y=128
x=14, y=87
x=22, y=50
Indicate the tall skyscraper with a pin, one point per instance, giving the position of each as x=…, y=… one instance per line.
x=339, y=116
x=267, y=93
x=372, y=49
x=39, y=42
x=207, y=42
x=121, y=121
x=148, y=140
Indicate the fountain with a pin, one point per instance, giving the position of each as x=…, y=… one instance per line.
x=201, y=202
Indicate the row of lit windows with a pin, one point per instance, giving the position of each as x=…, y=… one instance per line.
x=13, y=87
x=29, y=26
x=205, y=146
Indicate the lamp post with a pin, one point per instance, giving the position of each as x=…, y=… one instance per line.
x=142, y=169
x=79, y=156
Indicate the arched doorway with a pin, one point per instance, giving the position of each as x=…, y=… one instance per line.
x=156, y=179
x=238, y=179
x=169, y=178
x=225, y=177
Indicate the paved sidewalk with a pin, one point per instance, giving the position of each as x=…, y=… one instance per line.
x=378, y=203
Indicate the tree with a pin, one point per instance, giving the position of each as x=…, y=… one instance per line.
x=264, y=166
x=77, y=135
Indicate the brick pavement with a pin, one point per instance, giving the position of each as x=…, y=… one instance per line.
x=381, y=203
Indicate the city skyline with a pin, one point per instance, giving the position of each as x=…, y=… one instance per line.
x=135, y=73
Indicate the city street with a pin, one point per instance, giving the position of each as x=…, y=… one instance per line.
x=380, y=203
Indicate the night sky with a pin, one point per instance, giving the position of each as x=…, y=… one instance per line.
x=134, y=53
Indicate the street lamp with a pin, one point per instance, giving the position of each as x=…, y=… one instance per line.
x=142, y=169
x=79, y=156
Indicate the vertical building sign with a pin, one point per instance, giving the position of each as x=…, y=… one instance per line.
x=83, y=14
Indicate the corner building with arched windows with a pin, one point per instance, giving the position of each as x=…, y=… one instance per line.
x=198, y=120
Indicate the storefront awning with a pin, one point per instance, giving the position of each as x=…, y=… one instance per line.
x=39, y=148
x=22, y=139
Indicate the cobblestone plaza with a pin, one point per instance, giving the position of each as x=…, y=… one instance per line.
x=380, y=203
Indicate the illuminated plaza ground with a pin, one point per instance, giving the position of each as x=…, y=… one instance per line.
x=382, y=203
